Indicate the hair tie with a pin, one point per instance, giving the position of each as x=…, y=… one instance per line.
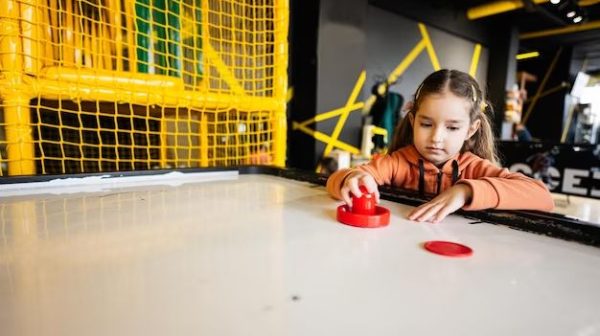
x=483, y=106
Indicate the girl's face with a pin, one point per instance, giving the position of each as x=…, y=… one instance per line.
x=441, y=125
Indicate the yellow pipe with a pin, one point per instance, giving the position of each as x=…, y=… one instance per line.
x=11, y=62
x=342, y=120
x=203, y=141
x=280, y=51
x=398, y=71
x=327, y=139
x=497, y=7
x=559, y=31
x=19, y=138
x=115, y=23
x=69, y=56
x=585, y=3
x=429, y=46
x=55, y=33
x=15, y=96
x=78, y=35
x=52, y=89
x=30, y=19
x=113, y=79
x=528, y=55
x=129, y=19
x=205, y=10
x=331, y=114
x=223, y=69
x=542, y=85
x=475, y=60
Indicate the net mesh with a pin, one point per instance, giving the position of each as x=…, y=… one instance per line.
x=111, y=85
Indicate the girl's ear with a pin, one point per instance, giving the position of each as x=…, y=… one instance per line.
x=411, y=118
x=473, y=128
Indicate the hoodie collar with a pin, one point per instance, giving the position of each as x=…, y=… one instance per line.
x=413, y=156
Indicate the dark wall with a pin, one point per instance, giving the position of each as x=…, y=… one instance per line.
x=440, y=14
x=342, y=56
x=304, y=26
x=545, y=120
x=502, y=73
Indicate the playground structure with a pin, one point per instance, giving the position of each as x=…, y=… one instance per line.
x=114, y=85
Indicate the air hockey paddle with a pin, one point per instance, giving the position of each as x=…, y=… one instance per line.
x=364, y=212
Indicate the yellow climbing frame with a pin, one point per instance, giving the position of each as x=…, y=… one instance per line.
x=112, y=85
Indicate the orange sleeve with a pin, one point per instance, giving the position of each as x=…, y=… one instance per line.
x=498, y=188
x=384, y=170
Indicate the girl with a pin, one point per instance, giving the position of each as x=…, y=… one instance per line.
x=445, y=146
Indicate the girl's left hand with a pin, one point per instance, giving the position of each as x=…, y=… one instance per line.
x=443, y=204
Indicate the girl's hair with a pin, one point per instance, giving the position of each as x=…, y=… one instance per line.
x=461, y=85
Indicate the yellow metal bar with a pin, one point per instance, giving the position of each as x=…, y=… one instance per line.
x=130, y=35
x=31, y=35
x=332, y=113
x=67, y=43
x=342, y=121
x=541, y=87
x=380, y=131
x=11, y=62
x=559, y=31
x=585, y=3
x=281, y=23
x=205, y=10
x=14, y=93
x=106, y=41
x=164, y=142
x=552, y=90
x=94, y=43
x=429, y=47
x=52, y=89
x=475, y=60
x=528, y=55
x=19, y=138
x=222, y=68
x=327, y=139
x=78, y=34
x=496, y=7
x=407, y=61
x=203, y=141
x=116, y=24
x=567, y=125
x=398, y=71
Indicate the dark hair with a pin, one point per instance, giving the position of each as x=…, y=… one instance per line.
x=461, y=85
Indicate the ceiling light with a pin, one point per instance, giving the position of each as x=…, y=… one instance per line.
x=577, y=19
x=555, y=2
x=571, y=14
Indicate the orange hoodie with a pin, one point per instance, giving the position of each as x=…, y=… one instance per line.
x=493, y=187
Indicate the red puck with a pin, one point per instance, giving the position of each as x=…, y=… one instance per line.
x=447, y=248
x=364, y=212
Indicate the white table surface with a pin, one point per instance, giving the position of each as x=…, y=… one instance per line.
x=262, y=255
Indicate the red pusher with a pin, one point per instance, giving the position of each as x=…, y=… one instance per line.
x=364, y=212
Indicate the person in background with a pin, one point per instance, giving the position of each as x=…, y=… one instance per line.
x=444, y=146
x=521, y=133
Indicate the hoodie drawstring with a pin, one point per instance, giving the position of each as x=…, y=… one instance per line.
x=455, y=176
x=455, y=173
x=421, y=179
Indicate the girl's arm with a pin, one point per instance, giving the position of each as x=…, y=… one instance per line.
x=383, y=169
x=498, y=188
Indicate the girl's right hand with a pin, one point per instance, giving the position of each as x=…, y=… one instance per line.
x=352, y=185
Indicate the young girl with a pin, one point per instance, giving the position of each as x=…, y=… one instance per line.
x=445, y=146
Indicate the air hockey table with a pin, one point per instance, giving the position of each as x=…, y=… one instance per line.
x=258, y=251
